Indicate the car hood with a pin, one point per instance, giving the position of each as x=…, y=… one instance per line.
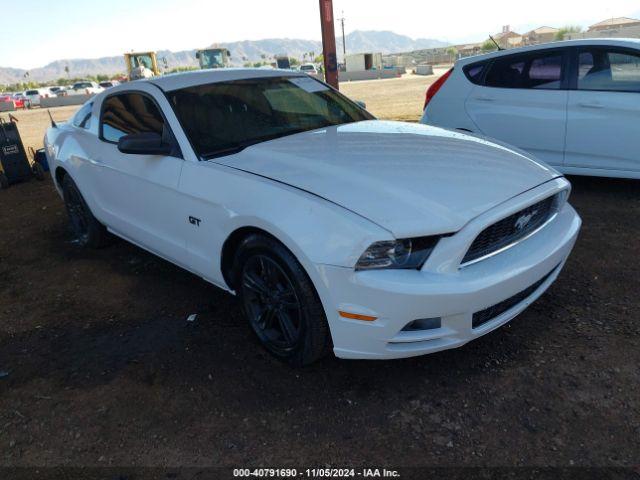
x=411, y=179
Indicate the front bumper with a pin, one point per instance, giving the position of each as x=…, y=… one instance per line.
x=398, y=297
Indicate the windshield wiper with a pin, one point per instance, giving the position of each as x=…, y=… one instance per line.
x=224, y=151
x=237, y=148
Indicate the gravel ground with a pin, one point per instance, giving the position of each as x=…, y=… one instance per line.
x=104, y=370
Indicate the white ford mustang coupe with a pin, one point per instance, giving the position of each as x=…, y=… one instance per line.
x=336, y=231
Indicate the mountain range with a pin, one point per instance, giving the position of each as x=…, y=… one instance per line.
x=241, y=52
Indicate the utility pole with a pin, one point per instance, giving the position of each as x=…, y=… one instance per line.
x=329, y=43
x=344, y=42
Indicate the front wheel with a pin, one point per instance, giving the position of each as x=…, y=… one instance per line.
x=280, y=302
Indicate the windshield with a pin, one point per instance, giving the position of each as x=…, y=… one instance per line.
x=212, y=58
x=223, y=118
x=307, y=67
x=77, y=86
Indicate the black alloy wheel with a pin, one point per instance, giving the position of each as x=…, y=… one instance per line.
x=271, y=304
x=78, y=215
x=88, y=231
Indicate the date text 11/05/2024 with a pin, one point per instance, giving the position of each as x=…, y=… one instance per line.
x=315, y=473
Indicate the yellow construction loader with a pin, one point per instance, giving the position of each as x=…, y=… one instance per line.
x=213, y=57
x=141, y=65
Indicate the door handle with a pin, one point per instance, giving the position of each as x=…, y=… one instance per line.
x=485, y=98
x=591, y=105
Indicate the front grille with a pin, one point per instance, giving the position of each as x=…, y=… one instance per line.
x=510, y=229
x=483, y=316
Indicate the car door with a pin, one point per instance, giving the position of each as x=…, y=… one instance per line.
x=603, y=131
x=523, y=102
x=138, y=194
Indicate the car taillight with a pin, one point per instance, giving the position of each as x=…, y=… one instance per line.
x=435, y=86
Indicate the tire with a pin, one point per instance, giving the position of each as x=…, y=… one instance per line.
x=280, y=301
x=89, y=232
x=4, y=181
x=38, y=171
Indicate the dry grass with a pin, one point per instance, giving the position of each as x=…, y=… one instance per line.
x=32, y=124
x=392, y=99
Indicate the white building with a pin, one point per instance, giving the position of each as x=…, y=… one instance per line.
x=360, y=62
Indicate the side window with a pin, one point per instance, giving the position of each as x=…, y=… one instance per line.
x=82, y=119
x=600, y=69
x=541, y=70
x=129, y=113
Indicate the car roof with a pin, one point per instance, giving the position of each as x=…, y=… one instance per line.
x=176, y=81
x=590, y=42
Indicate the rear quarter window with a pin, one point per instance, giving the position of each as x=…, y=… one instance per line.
x=535, y=70
x=475, y=72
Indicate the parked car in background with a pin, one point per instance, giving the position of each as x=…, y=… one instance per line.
x=377, y=239
x=36, y=94
x=7, y=99
x=20, y=100
x=573, y=104
x=58, y=91
x=109, y=84
x=85, y=88
x=309, y=68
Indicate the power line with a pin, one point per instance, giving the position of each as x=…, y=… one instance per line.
x=344, y=43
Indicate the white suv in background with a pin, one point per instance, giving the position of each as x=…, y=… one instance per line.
x=573, y=104
x=85, y=88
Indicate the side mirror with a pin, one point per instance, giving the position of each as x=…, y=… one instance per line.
x=361, y=104
x=197, y=54
x=147, y=143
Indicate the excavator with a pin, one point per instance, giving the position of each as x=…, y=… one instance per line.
x=213, y=57
x=141, y=65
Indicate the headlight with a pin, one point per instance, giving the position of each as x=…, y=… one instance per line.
x=408, y=253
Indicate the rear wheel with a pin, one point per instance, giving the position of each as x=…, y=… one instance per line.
x=89, y=231
x=280, y=302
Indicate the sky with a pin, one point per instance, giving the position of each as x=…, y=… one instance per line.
x=92, y=29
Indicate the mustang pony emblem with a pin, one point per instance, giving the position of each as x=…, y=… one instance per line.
x=524, y=220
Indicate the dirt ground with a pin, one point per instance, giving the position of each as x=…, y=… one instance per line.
x=99, y=367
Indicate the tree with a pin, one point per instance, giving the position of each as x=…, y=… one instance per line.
x=319, y=59
x=488, y=46
x=452, y=52
x=560, y=34
x=294, y=61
